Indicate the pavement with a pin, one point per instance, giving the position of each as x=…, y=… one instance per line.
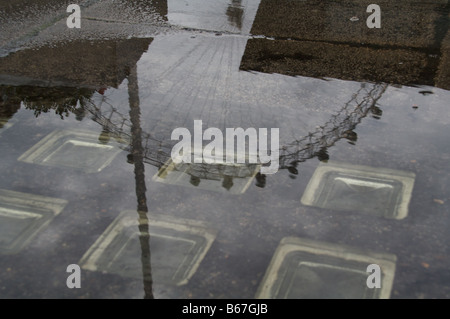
x=136, y=70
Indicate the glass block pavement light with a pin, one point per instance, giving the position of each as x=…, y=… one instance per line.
x=224, y=178
x=23, y=216
x=302, y=268
x=375, y=191
x=79, y=150
x=177, y=248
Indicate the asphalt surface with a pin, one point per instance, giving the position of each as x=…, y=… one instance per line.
x=339, y=92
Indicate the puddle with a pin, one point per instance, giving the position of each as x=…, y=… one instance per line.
x=86, y=120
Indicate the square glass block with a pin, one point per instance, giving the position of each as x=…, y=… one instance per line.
x=229, y=178
x=22, y=216
x=369, y=190
x=302, y=269
x=177, y=248
x=79, y=150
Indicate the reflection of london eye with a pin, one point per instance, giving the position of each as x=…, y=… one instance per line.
x=157, y=151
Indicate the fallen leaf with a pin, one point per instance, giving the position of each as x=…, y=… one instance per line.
x=425, y=265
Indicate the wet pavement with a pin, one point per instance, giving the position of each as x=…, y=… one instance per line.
x=86, y=117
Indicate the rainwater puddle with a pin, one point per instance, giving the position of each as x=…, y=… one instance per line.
x=362, y=177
